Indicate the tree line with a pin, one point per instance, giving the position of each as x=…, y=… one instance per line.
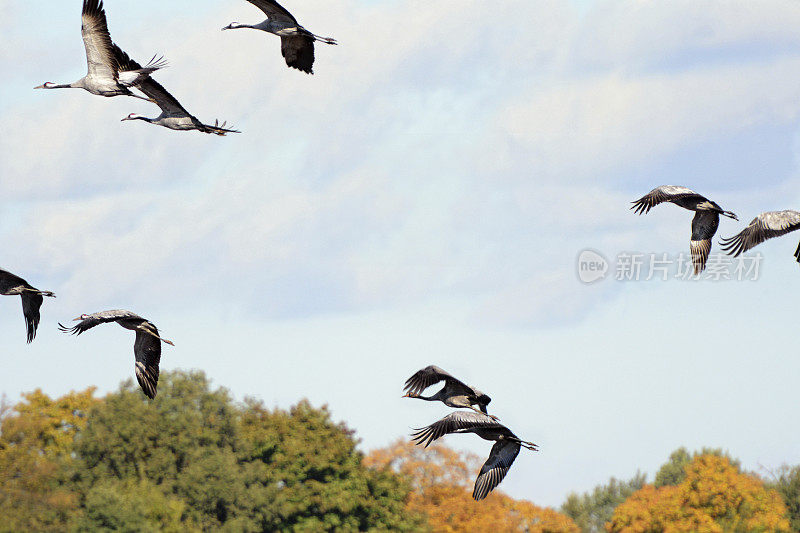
x=196, y=460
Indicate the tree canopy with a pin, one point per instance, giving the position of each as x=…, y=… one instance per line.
x=190, y=460
x=714, y=496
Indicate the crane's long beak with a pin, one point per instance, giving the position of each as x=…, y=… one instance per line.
x=76, y=319
x=229, y=26
x=407, y=395
x=39, y=87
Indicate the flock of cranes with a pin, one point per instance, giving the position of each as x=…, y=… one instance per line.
x=146, y=347
x=706, y=221
x=458, y=394
x=111, y=72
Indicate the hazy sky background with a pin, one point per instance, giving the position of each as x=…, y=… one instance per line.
x=421, y=199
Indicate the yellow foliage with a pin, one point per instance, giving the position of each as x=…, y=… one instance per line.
x=35, y=442
x=442, y=480
x=714, y=497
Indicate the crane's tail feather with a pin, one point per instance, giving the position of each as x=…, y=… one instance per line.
x=156, y=62
x=218, y=129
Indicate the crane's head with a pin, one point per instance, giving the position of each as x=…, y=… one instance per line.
x=410, y=395
x=132, y=116
x=46, y=85
x=233, y=26
x=82, y=317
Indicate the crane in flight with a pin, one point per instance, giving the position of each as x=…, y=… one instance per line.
x=32, y=299
x=146, y=347
x=704, y=223
x=105, y=77
x=764, y=226
x=504, y=451
x=297, y=43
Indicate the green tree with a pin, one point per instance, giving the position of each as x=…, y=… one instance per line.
x=36, y=443
x=591, y=510
x=200, y=460
x=673, y=472
x=786, y=481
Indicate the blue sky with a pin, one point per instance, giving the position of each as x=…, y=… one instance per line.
x=421, y=199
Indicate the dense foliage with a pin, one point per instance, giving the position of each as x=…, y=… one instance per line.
x=592, y=510
x=190, y=460
x=714, y=496
x=195, y=460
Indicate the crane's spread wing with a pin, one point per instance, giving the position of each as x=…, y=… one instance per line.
x=431, y=375
x=704, y=227
x=168, y=103
x=131, y=73
x=100, y=318
x=9, y=281
x=764, y=226
x=298, y=50
x=273, y=10
x=454, y=422
x=665, y=193
x=31, y=303
x=422, y=379
x=96, y=39
x=495, y=468
x=147, y=350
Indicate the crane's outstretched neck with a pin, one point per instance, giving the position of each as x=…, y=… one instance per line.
x=236, y=26
x=51, y=85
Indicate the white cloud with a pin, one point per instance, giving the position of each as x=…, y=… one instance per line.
x=429, y=157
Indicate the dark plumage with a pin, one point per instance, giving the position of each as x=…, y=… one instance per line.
x=504, y=451
x=173, y=115
x=297, y=43
x=764, y=226
x=704, y=223
x=455, y=393
x=146, y=348
x=32, y=298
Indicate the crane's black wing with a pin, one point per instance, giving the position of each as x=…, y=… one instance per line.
x=147, y=350
x=97, y=41
x=100, y=318
x=131, y=73
x=457, y=421
x=168, y=103
x=704, y=227
x=31, y=303
x=273, y=10
x=9, y=281
x=495, y=468
x=764, y=226
x=431, y=375
x=298, y=51
x=664, y=193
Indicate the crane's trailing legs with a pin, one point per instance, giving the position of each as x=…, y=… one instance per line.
x=147, y=330
x=41, y=293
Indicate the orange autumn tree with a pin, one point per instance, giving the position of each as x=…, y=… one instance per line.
x=442, y=481
x=714, y=497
